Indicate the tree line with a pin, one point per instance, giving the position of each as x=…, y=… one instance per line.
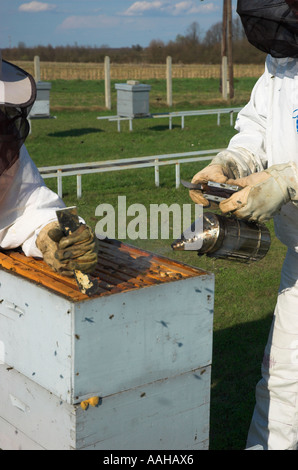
x=192, y=47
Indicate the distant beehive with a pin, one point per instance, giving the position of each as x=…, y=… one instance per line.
x=132, y=99
x=41, y=107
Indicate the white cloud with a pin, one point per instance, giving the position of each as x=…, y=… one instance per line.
x=184, y=8
x=138, y=8
x=86, y=22
x=190, y=8
x=36, y=7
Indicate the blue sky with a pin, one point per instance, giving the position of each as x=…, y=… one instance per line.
x=115, y=23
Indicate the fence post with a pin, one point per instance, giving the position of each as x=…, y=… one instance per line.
x=79, y=186
x=177, y=175
x=169, y=82
x=107, y=66
x=37, y=68
x=59, y=183
x=231, y=118
x=224, y=79
x=156, y=172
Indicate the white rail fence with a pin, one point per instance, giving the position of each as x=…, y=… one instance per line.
x=156, y=161
x=175, y=114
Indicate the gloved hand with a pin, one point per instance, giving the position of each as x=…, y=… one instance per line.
x=212, y=172
x=64, y=254
x=228, y=164
x=264, y=193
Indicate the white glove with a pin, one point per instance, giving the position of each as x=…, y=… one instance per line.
x=210, y=173
x=228, y=164
x=264, y=193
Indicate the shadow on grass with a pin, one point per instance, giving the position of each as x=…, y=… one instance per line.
x=236, y=369
x=161, y=127
x=75, y=132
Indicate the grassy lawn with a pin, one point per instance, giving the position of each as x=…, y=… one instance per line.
x=245, y=294
x=187, y=94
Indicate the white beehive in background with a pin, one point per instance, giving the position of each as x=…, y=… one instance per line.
x=132, y=99
x=142, y=346
x=41, y=107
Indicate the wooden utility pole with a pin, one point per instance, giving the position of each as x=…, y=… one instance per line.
x=227, y=51
x=230, y=49
x=224, y=76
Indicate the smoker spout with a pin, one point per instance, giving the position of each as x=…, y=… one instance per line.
x=201, y=236
x=178, y=245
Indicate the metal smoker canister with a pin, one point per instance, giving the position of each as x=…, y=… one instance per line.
x=226, y=238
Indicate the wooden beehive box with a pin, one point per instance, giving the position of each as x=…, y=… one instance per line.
x=143, y=345
x=41, y=107
x=132, y=99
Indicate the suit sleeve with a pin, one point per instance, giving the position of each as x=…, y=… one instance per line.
x=26, y=205
x=251, y=125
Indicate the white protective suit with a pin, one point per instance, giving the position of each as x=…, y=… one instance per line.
x=26, y=205
x=268, y=129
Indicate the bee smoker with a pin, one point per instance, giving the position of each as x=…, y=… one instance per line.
x=223, y=237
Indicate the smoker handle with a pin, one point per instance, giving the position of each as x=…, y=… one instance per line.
x=212, y=191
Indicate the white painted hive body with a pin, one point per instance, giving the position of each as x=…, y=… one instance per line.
x=143, y=345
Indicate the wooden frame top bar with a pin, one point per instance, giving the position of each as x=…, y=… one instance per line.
x=120, y=268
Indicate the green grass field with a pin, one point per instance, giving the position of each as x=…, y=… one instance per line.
x=245, y=294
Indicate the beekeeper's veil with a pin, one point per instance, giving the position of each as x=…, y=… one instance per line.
x=17, y=95
x=271, y=25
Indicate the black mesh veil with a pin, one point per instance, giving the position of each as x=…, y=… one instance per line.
x=271, y=26
x=14, y=128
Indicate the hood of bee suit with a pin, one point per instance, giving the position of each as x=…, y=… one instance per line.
x=271, y=25
x=17, y=96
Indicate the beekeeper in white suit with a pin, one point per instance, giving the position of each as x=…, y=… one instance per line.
x=27, y=207
x=263, y=158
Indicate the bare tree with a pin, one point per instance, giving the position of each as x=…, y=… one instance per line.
x=213, y=35
x=238, y=30
x=193, y=33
